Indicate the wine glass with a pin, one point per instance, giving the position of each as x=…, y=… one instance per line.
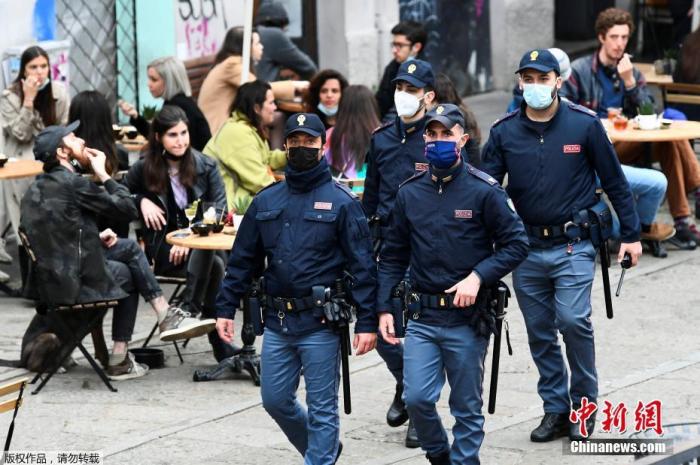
x=191, y=212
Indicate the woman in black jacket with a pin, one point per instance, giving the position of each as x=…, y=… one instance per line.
x=169, y=177
x=167, y=79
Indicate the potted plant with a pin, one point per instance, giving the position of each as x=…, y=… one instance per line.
x=647, y=118
x=240, y=206
x=667, y=65
x=149, y=112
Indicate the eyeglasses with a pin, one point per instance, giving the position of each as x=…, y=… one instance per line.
x=400, y=45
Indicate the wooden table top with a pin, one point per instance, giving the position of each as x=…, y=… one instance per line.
x=214, y=241
x=133, y=145
x=650, y=74
x=290, y=106
x=21, y=169
x=679, y=130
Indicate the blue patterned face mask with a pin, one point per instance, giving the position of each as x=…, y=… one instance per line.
x=327, y=110
x=538, y=96
x=442, y=154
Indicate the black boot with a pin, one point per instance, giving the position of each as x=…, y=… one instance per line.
x=575, y=429
x=411, y=441
x=397, y=414
x=340, y=450
x=553, y=425
x=442, y=459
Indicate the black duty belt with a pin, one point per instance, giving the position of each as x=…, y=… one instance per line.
x=437, y=301
x=290, y=304
x=557, y=232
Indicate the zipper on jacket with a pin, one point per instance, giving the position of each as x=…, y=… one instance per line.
x=80, y=248
x=541, y=139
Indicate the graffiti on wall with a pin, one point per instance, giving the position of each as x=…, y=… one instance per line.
x=466, y=56
x=200, y=25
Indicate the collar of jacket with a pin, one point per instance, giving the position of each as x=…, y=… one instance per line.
x=444, y=176
x=410, y=129
x=560, y=110
x=305, y=181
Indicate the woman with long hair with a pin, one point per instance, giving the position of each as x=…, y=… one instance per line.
x=171, y=176
x=32, y=102
x=241, y=145
x=348, y=141
x=92, y=110
x=324, y=94
x=167, y=79
x=446, y=92
x=223, y=81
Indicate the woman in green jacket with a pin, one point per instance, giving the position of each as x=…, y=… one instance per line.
x=241, y=145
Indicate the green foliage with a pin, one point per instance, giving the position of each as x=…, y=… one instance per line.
x=647, y=108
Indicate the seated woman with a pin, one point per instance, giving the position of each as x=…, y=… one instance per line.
x=223, y=81
x=241, y=146
x=92, y=110
x=348, y=141
x=323, y=96
x=167, y=79
x=171, y=176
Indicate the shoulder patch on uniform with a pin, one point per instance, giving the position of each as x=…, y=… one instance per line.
x=487, y=178
x=582, y=109
x=506, y=117
x=413, y=178
x=346, y=189
x=383, y=127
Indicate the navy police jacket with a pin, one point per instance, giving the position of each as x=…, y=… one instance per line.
x=310, y=230
x=445, y=227
x=552, y=172
x=396, y=152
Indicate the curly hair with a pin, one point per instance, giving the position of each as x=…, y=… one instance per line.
x=612, y=17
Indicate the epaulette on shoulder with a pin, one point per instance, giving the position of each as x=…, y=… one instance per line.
x=505, y=117
x=413, y=178
x=582, y=109
x=383, y=127
x=487, y=178
x=276, y=183
x=346, y=189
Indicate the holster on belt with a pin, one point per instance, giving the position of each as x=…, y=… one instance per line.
x=255, y=307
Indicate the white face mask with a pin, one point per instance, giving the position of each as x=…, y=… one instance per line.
x=407, y=105
x=44, y=84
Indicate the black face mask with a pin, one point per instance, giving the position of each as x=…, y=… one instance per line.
x=170, y=156
x=302, y=158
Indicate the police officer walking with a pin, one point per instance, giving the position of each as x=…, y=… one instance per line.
x=396, y=153
x=309, y=230
x=444, y=225
x=552, y=151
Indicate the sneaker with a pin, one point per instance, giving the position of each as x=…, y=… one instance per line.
x=4, y=277
x=127, y=369
x=179, y=324
x=684, y=238
x=659, y=232
x=694, y=231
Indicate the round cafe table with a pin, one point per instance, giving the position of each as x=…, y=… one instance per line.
x=247, y=359
x=21, y=169
x=214, y=241
x=679, y=130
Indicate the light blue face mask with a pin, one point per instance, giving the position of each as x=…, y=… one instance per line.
x=327, y=111
x=43, y=85
x=538, y=96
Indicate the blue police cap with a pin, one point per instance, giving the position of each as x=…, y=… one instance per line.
x=308, y=123
x=541, y=60
x=418, y=73
x=446, y=114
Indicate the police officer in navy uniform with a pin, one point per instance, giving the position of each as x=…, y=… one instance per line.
x=397, y=153
x=308, y=230
x=552, y=151
x=454, y=228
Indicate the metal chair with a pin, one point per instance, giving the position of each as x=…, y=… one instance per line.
x=13, y=404
x=73, y=334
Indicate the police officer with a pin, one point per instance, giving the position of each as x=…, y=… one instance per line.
x=552, y=150
x=444, y=224
x=309, y=230
x=396, y=153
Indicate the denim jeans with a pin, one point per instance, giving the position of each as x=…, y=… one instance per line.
x=430, y=354
x=553, y=288
x=314, y=433
x=129, y=267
